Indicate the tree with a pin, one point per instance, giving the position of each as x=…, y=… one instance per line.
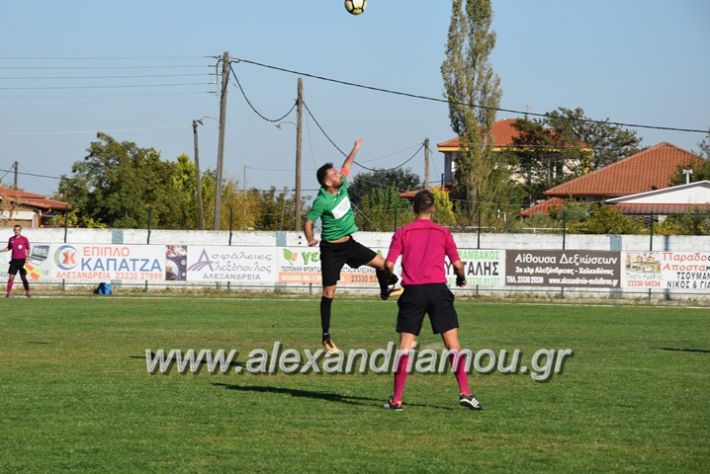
x=183, y=183
x=609, y=143
x=695, y=222
x=700, y=167
x=705, y=146
x=118, y=184
x=607, y=220
x=541, y=157
x=401, y=179
x=276, y=210
x=473, y=91
x=444, y=214
x=383, y=210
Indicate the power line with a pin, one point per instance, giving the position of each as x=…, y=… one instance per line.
x=391, y=154
x=325, y=134
x=103, y=95
x=376, y=183
x=244, y=94
x=94, y=58
x=276, y=169
x=78, y=132
x=40, y=78
x=395, y=167
x=32, y=174
x=69, y=68
x=107, y=87
x=308, y=110
x=445, y=101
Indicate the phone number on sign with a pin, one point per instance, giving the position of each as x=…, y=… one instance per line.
x=524, y=279
x=360, y=278
x=137, y=276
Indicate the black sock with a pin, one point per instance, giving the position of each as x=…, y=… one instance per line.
x=325, y=304
x=382, y=280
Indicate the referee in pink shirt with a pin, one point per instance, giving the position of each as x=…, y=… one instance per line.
x=423, y=246
x=20, y=247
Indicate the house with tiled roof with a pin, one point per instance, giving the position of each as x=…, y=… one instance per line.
x=681, y=199
x=503, y=135
x=647, y=170
x=27, y=209
x=503, y=132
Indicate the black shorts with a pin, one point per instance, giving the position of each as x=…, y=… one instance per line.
x=17, y=265
x=334, y=256
x=434, y=299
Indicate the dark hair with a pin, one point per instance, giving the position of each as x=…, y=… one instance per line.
x=323, y=172
x=17, y=225
x=423, y=201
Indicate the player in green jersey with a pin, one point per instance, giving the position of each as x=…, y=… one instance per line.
x=337, y=246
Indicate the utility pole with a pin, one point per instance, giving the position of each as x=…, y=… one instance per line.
x=244, y=195
x=426, y=163
x=299, y=140
x=198, y=178
x=220, y=148
x=16, y=166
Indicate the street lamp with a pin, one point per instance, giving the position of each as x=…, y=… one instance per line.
x=198, y=178
x=297, y=194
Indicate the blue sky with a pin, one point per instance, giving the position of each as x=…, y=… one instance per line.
x=634, y=61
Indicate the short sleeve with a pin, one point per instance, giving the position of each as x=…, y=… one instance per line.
x=451, y=250
x=316, y=211
x=395, y=249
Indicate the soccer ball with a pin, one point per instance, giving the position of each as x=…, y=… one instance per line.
x=355, y=7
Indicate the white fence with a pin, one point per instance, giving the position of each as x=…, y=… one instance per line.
x=589, y=265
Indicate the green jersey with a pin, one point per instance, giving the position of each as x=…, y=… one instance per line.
x=335, y=213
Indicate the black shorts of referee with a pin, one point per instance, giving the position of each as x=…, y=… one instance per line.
x=434, y=299
x=334, y=255
x=17, y=264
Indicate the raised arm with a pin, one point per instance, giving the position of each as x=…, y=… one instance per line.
x=347, y=164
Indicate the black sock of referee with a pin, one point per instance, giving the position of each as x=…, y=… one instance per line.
x=325, y=304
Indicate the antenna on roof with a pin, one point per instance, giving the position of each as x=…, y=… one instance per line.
x=687, y=172
x=528, y=109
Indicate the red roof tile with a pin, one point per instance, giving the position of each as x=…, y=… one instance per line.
x=659, y=208
x=544, y=207
x=503, y=132
x=31, y=199
x=646, y=170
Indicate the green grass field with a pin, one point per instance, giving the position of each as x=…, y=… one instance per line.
x=76, y=395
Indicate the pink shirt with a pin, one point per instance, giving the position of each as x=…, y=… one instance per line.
x=20, y=246
x=423, y=246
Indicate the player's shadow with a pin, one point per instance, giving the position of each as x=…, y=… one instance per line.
x=327, y=396
x=684, y=349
